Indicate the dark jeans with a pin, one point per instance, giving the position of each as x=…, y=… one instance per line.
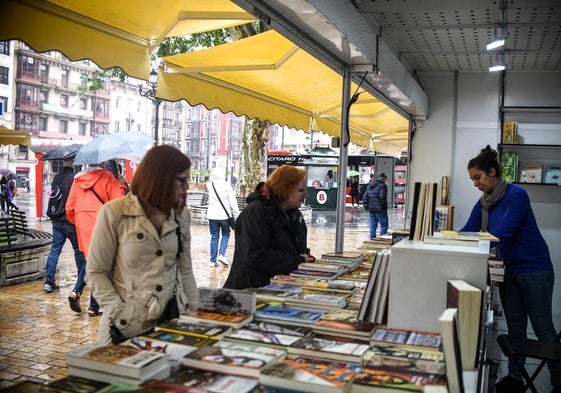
x=529, y=295
x=62, y=230
x=216, y=227
x=375, y=218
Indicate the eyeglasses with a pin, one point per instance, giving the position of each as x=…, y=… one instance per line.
x=183, y=181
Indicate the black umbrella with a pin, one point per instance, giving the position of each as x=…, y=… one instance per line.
x=62, y=153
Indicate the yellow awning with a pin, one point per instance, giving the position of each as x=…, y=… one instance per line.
x=112, y=33
x=268, y=77
x=14, y=137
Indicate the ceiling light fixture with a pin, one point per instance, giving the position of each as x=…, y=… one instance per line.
x=496, y=43
x=497, y=67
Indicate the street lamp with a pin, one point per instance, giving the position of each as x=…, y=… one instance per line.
x=151, y=95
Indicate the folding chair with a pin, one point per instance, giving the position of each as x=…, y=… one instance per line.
x=521, y=348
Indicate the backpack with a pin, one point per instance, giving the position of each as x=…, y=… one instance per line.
x=56, y=206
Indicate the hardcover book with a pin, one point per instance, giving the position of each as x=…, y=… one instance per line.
x=553, y=174
x=233, y=358
x=116, y=359
x=451, y=346
x=309, y=375
x=287, y=315
x=530, y=172
x=469, y=302
x=328, y=349
x=509, y=164
x=205, y=381
x=510, y=132
x=199, y=329
x=392, y=381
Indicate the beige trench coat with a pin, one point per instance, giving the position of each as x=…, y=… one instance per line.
x=131, y=269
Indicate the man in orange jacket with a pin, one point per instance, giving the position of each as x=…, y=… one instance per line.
x=90, y=190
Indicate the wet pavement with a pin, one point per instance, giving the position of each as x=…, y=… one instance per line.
x=38, y=328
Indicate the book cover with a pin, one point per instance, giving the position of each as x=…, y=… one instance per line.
x=509, y=165
x=443, y=218
x=327, y=349
x=345, y=323
x=269, y=327
x=451, y=346
x=287, y=315
x=322, y=267
x=34, y=387
x=314, y=274
x=510, y=132
x=342, y=286
x=384, y=380
x=469, y=302
x=233, y=358
x=530, y=172
x=382, y=361
x=276, y=340
x=285, y=279
x=234, y=320
x=345, y=256
x=309, y=375
x=178, y=338
x=76, y=385
x=386, y=334
x=116, y=359
x=360, y=274
x=207, y=381
x=199, y=329
x=366, y=303
x=228, y=301
x=553, y=174
x=407, y=351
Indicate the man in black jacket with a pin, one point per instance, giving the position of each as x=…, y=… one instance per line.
x=375, y=200
x=62, y=228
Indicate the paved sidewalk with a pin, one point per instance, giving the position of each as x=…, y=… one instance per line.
x=38, y=328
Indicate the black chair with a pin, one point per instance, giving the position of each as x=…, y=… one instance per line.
x=528, y=348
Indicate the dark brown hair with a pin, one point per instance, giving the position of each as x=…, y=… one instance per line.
x=154, y=180
x=486, y=160
x=284, y=180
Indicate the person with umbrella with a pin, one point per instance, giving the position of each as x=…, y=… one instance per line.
x=353, y=192
x=92, y=188
x=62, y=229
x=7, y=194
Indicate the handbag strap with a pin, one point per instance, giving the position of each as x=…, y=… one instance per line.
x=177, y=256
x=97, y=196
x=220, y=200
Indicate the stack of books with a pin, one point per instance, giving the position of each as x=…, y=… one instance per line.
x=379, y=243
x=344, y=323
x=388, y=335
x=117, y=363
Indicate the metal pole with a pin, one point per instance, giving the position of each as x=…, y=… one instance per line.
x=157, y=103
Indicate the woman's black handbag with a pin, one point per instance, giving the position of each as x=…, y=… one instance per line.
x=232, y=222
x=171, y=311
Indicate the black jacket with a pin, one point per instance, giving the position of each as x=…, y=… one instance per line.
x=64, y=180
x=268, y=242
x=375, y=199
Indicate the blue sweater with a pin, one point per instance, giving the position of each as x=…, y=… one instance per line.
x=512, y=220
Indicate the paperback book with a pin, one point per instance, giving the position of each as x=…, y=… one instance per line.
x=343, y=256
x=235, y=320
x=268, y=327
x=407, y=351
x=287, y=315
x=384, y=334
x=206, y=381
x=198, y=329
x=344, y=323
x=309, y=375
x=285, y=279
x=323, y=267
x=257, y=337
x=119, y=360
x=308, y=274
x=233, y=358
x=382, y=361
x=391, y=381
x=451, y=346
x=224, y=300
x=342, y=286
x=114, y=378
x=328, y=349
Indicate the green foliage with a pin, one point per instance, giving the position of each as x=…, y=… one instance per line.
x=253, y=157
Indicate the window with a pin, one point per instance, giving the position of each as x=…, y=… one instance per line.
x=44, y=73
x=82, y=128
x=64, y=78
x=83, y=103
x=64, y=100
x=118, y=102
x=42, y=124
x=215, y=113
x=44, y=97
x=84, y=81
x=63, y=126
x=117, y=125
x=4, y=75
x=4, y=104
x=5, y=48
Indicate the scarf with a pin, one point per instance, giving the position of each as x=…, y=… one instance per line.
x=489, y=200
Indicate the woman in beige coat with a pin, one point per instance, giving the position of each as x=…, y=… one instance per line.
x=132, y=265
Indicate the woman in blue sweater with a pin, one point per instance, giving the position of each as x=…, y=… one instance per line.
x=504, y=210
